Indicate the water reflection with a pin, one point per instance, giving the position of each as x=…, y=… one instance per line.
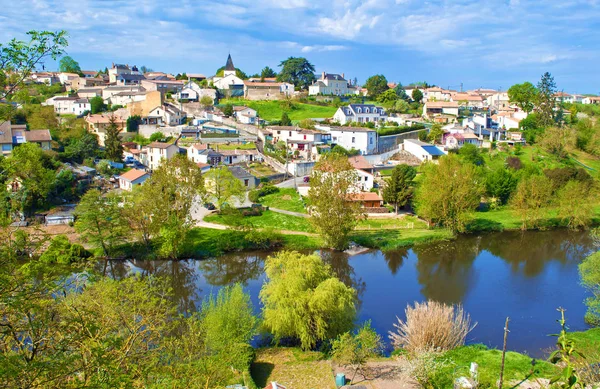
x=233, y=269
x=340, y=265
x=395, y=259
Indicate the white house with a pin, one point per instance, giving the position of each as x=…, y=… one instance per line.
x=245, y=114
x=303, y=142
x=158, y=151
x=193, y=92
x=119, y=69
x=229, y=80
x=467, y=99
x=423, y=151
x=132, y=178
x=459, y=139
x=590, y=100
x=331, y=84
x=436, y=108
x=165, y=115
x=498, y=101
x=436, y=94
x=360, y=113
x=359, y=138
x=70, y=105
x=202, y=153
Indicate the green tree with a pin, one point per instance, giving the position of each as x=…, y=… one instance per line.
x=112, y=142
x=417, y=95
x=19, y=58
x=82, y=148
x=100, y=221
x=376, y=85
x=557, y=140
x=355, y=349
x=228, y=110
x=285, y=120
x=133, y=123
x=181, y=76
x=238, y=72
x=546, y=101
x=529, y=200
x=223, y=186
x=500, y=184
x=401, y=93
x=307, y=123
x=435, y=133
x=333, y=214
x=69, y=65
x=577, y=214
x=206, y=101
x=303, y=299
x=157, y=136
x=589, y=271
x=61, y=251
x=162, y=207
x=398, y=188
x=471, y=154
x=402, y=106
x=448, y=193
x=267, y=72
x=389, y=97
x=298, y=71
x=523, y=95
x=97, y=105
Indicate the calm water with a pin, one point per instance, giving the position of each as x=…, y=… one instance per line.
x=525, y=276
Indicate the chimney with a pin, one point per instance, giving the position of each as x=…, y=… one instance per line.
x=323, y=76
x=343, y=76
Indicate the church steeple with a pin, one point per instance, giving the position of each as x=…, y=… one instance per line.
x=229, y=64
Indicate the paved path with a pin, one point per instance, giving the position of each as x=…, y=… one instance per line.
x=290, y=183
x=283, y=211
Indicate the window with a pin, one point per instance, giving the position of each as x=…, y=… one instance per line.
x=370, y=140
x=304, y=137
x=290, y=133
x=278, y=132
x=246, y=182
x=353, y=140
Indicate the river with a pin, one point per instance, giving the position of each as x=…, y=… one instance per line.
x=525, y=276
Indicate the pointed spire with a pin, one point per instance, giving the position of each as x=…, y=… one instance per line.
x=229, y=64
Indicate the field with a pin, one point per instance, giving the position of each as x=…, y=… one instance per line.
x=271, y=220
x=272, y=110
x=293, y=368
x=286, y=198
x=238, y=146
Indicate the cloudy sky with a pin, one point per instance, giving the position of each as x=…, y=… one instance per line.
x=485, y=43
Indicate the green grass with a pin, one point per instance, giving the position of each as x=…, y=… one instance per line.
x=517, y=367
x=389, y=223
x=270, y=219
x=387, y=240
x=588, y=343
x=292, y=367
x=237, y=146
x=272, y=110
x=286, y=198
x=261, y=170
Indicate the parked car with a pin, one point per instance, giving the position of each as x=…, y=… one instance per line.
x=209, y=206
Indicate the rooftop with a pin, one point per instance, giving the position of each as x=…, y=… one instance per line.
x=133, y=175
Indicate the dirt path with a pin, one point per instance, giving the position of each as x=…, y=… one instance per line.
x=388, y=374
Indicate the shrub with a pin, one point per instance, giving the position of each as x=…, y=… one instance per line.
x=61, y=251
x=514, y=163
x=431, y=327
x=254, y=196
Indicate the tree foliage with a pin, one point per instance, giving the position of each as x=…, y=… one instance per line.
x=435, y=133
x=333, y=214
x=556, y=140
x=471, y=154
x=112, y=142
x=267, y=72
x=285, y=120
x=417, y=95
x=376, y=85
x=577, y=214
x=523, y=95
x=298, y=71
x=69, y=65
x=355, y=349
x=133, y=123
x=546, y=101
x=531, y=196
x=500, y=184
x=448, y=193
x=97, y=105
x=589, y=271
x=398, y=188
x=223, y=186
x=303, y=299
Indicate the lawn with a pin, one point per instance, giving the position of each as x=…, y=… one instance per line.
x=517, y=367
x=292, y=368
x=286, y=198
x=389, y=223
x=387, y=240
x=272, y=110
x=261, y=170
x=270, y=219
x=237, y=146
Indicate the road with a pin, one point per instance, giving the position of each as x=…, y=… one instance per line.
x=290, y=183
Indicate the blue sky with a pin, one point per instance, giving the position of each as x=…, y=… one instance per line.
x=490, y=44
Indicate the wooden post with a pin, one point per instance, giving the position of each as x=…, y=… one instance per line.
x=506, y=331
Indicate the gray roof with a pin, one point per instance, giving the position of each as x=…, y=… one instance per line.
x=239, y=172
x=229, y=64
x=337, y=77
x=132, y=77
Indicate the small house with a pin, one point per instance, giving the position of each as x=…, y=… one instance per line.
x=132, y=178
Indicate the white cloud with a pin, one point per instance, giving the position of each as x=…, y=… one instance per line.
x=308, y=49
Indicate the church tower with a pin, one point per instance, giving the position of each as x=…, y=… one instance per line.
x=229, y=68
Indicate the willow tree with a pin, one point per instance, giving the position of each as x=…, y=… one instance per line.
x=303, y=299
x=448, y=193
x=333, y=214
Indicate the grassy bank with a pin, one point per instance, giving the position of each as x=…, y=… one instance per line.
x=272, y=110
x=287, y=199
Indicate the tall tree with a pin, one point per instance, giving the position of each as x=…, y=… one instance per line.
x=376, y=85
x=267, y=72
x=112, y=143
x=523, y=95
x=285, y=120
x=417, y=95
x=530, y=199
x=166, y=199
x=223, y=186
x=303, y=299
x=333, y=213
x=546, y=101
x=389, y=97
x=297, y=71
x=97, y=105
x=435, y=133
x=100, y=221
x=69, y=65
x=500, y=184
x=398, y=188
x=19, y=58
x=448, y=193
x=401, y=93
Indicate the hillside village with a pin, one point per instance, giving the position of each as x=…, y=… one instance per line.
x=212, y=121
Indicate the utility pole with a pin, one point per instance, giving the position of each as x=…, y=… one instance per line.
x=506, y=331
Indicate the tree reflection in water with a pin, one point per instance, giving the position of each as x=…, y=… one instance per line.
x=339, y=262
x=445, y=269
x=395, y=259
x=231, y=269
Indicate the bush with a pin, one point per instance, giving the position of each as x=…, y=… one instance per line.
x=400, y=130
x=432, y=327
x=61, y=251
x=514, y=163
x=560, y=176
x=254, y=195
